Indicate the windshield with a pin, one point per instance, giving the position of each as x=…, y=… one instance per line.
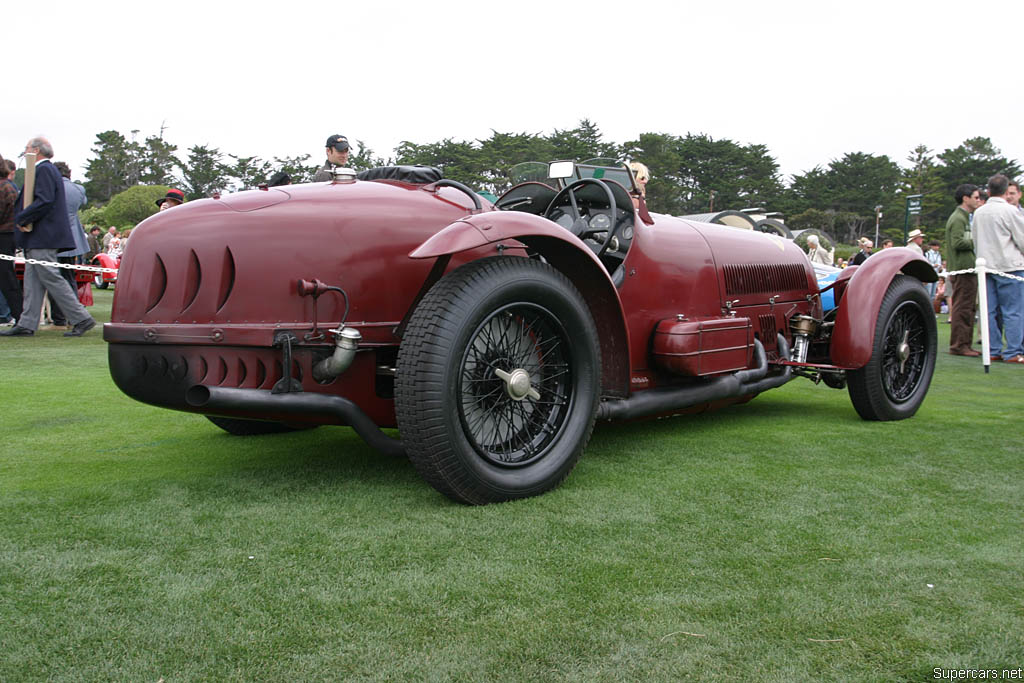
x=600, y=167
x=610, y=169
x=535, y=171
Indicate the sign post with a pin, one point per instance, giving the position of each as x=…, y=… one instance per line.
x=913, y=208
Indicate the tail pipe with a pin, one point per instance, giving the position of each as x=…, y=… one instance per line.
x=668, y=399
x=337, y=409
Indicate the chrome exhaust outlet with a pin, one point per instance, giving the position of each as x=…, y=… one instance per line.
x=346, y=344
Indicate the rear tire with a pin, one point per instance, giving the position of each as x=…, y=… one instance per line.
x=498, y=381
x=237, y=427
x=893, y=384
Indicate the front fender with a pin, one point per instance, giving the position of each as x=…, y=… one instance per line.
x=854, y=332
x=105, y=260
x=570, y=256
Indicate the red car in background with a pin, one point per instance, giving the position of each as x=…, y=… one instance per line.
x=493, y=335
x=104, y=280
x=81, y=276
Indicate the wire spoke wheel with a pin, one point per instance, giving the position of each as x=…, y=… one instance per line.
x=895, y=380
x=519, y=348
x=498, y=380
x=904, y=352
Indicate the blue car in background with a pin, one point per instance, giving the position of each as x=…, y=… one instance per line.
x=826, y=275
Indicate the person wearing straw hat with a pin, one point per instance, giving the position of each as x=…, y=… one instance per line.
x=914, y=241
x=861, y=256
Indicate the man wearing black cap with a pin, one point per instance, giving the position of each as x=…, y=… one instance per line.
x=337, y=155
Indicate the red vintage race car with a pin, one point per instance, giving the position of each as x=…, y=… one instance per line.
x=493, y=335
x=81, y=276
x=104, y=280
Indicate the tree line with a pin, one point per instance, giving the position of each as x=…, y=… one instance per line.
x=692, y=173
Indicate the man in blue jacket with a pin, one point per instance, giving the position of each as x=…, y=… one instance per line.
x=50, y=233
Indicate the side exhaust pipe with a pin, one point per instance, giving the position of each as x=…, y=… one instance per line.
x=345, y=346
x=668, y=399
x=339, y=410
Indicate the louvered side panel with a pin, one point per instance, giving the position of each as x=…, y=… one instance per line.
x=757, y=278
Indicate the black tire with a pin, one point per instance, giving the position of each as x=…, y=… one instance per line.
x=473, y=436
x=238, y=427
x=894, y=382
x=100, y=282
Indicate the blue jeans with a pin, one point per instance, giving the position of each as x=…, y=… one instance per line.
x=5, y=310
x=1005, y=297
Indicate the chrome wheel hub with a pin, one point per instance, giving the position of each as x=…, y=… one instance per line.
x=903, y=350
x=517, y=384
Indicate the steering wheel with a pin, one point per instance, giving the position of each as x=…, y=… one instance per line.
x=580, y=227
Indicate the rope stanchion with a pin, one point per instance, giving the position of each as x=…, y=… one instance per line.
x=986, y=358
x=52, y=264
x=983, y=271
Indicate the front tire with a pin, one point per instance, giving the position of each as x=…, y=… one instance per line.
x=894, y=382
x=498, y=381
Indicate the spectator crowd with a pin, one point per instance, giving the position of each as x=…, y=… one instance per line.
x=45, y=226
x=988, y=223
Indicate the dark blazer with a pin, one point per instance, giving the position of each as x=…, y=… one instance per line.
x=48, y=213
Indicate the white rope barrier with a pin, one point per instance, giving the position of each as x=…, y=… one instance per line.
x=975, y=270
x=66, y=266
x=982, y=273
x=979, y=269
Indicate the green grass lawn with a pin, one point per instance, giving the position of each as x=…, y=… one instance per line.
x=784, y=540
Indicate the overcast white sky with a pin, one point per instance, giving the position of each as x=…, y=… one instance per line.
x=810, y=80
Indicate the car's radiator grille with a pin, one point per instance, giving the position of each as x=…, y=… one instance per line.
x=754, y=278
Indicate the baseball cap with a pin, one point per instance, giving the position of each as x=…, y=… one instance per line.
x=338, y=142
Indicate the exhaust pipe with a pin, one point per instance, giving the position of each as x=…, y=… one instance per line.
x=339, y=410
x=668, y=399
x=345, y=346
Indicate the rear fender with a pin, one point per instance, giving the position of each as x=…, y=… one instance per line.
x=565, y=252
x=854, y=333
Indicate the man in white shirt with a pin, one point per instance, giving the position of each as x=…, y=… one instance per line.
x=914, y=241
x=998, y=234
